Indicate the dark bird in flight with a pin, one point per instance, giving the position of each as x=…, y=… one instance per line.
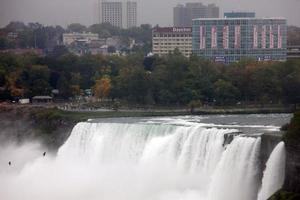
x=44, y=154
x=9, y=163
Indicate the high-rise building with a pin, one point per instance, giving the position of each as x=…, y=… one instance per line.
x=167, y=39
x=131, y=18
x=229, y=40
x=184, y=14
x=112, y=13
x=117, y=13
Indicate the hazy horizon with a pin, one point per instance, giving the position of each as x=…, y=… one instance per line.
x=64, y=12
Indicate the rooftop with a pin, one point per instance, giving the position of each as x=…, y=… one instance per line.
x=41, y=97
x=241, y=18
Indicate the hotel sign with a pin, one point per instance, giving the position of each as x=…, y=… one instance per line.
x=173, y=29
x=179, y=30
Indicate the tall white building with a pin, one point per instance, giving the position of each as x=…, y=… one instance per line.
x=118, y=13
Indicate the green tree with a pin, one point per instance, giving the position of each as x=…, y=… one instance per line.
x=291, y=88
x=225, y=92
x=76, y=27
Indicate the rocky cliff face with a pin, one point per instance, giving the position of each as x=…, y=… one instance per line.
x=292, y=141
x=292, y=177
x=291, y=188
x=268, y=143
x=19, y=124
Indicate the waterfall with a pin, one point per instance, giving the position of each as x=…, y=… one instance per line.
x=188, y=148
x=142, y=160
x=274, y=173
x=236, y=176
x=192, y=150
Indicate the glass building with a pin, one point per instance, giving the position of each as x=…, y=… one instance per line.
x=232, y=39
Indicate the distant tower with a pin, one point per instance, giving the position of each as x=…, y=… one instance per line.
x=112, y=13
x=131, y=12
x=184, y=14
x=118, y=13
x=99, y=11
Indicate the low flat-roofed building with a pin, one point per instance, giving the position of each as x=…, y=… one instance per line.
x=42, y=99
x=167, y=39
x=69, y=38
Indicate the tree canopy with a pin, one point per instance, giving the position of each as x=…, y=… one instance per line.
x=170, y=80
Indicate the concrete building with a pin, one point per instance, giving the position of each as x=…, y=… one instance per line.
x=118, y=13
x=112, y=13
x=167, y=39
x=131, y=14
x=69, y=38
x=184, y=14
x=232, y=39
x=239, y=15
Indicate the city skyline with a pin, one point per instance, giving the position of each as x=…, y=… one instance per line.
x=85, y=12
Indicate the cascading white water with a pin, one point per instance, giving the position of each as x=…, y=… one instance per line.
x=274, y=173
x=237, y=173
x=191, y=149
x=135, y=161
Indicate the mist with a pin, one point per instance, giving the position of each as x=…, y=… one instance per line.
x=18, y=154
x=64, y=12
x=32, y=176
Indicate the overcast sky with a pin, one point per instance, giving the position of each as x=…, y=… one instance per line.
x=63, y=12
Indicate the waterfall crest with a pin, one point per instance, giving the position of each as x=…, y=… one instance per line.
x=190, y=148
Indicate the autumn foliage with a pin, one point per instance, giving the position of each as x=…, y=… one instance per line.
x=102, y=87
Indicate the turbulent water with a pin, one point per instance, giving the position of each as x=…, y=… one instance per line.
x=148, y=161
